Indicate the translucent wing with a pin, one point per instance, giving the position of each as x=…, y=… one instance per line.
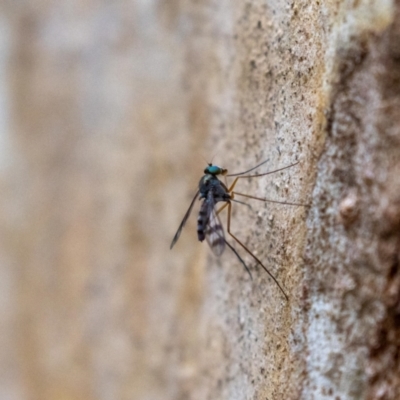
x=215, y=232
x=185, y=218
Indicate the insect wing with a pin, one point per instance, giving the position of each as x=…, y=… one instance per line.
x=215, y=233
x=185, y=218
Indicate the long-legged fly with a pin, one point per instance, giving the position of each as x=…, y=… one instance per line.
x=211, y=190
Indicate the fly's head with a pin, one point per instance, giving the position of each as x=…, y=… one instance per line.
x=214, y=170
x=210, y=180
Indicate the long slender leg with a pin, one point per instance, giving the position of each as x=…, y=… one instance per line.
x=240, y=258
x=233, y=184
x=236, y=201
x=224, y=206
x=271, y=201
x=251, y=169
x=248, y=251
x=265, y=173
x=258, y=175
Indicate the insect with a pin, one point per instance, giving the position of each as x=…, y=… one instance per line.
x=212, y=191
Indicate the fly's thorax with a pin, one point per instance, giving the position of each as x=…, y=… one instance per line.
x=210, y=184
x=204, y=181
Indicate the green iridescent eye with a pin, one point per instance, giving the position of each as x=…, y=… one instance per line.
x=213, y=170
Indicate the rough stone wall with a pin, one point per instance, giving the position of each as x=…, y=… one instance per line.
x=109, y=114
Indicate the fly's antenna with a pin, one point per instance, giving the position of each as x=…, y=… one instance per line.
x=209, y=162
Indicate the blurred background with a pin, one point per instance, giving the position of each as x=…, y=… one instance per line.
x=97, y=154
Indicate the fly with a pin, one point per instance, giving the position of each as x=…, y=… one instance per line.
x=212, y=191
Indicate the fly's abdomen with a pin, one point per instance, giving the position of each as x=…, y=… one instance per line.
x=202, y=221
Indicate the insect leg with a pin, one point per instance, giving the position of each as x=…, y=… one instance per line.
x=271, y=201
x=251, y=169
x=233, y=184
x=248, y=251
x=265, y=173
x=224, y=206
x=240, y=258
